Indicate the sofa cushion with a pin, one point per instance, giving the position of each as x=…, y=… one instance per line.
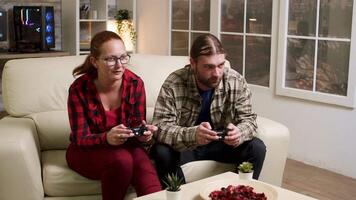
x=59, y=180
x=154, y=69
x=197, y=170
x=53, y=129
x=24, y=94
x=26, y=90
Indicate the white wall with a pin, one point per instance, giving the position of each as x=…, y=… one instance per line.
x=152, y=26
x=321, y=135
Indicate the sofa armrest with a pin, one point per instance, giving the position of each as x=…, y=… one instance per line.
x=276, y=138
x=20, y=168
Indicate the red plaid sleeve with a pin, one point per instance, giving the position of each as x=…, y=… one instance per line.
x=81, y=134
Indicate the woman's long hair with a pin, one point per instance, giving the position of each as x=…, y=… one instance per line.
x=97, y=41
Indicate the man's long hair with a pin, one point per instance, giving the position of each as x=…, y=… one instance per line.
x=206, y=44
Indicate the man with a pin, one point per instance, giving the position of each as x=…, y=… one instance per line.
x=196, y=101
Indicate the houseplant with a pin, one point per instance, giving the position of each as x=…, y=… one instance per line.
x=126, y=28
x=245, y=170
x=173, y=183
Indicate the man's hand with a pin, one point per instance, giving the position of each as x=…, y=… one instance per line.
x=147, y=135
x=204, y=134
x=118, y=135
x=233, y=135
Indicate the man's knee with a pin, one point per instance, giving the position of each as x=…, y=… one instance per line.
x=258, y=147
x=164, y=153
x=161, y=150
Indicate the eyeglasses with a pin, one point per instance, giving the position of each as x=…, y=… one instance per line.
x=113, y=60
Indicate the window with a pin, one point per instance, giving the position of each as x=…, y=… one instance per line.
x=189, y=19
x=245, y=32
x=315, y=48
x=311, y=51
x=243, y=26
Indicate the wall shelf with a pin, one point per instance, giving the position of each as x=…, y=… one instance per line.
x=77, y=32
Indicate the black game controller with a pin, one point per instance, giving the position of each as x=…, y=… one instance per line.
x=222, y=133
x=138, y=131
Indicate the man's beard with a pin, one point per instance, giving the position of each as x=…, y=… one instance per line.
x=212, y=82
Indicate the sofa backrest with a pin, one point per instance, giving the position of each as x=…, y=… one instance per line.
x=37, y=84
x=38, y=88
x=154, y=69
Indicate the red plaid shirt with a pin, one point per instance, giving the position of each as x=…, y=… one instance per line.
x=87, y=115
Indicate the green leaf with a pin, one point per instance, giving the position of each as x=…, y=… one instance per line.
x=173, y=182
x=245, y=167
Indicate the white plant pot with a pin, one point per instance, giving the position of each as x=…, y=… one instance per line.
x=174, y=195
x=245, y=176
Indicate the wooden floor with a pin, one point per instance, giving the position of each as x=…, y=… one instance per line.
x=318, y=183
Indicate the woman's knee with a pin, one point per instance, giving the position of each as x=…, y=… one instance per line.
x=120, y=159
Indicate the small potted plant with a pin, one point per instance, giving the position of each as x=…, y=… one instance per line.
x=245, y=170
x=173, y=183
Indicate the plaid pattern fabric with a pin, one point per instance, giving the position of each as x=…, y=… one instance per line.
x=87, y=115
x=179, y=103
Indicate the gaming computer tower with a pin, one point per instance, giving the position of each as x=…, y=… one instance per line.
x=3, y=25
x=33, y=28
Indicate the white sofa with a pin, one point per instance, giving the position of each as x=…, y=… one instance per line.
x=34, y=136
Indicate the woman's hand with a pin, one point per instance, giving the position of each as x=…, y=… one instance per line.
x=147, y=135
x=118, y=135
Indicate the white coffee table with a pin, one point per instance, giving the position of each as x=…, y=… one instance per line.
x=191, y=190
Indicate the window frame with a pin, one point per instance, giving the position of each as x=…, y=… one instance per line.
x=190, y=31
x=282, y=90
x=278, y=54
x=273, y=37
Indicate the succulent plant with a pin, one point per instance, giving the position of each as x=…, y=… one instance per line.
x=245, y=167
x=173, y=182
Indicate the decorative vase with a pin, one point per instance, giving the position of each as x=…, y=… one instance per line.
x=173, y=195
x=245, y=176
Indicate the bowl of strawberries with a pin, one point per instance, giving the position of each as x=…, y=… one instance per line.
x=236, y=189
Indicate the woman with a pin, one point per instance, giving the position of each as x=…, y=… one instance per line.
x=104, y=103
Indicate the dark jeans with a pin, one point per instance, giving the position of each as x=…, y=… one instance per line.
x=167, y=160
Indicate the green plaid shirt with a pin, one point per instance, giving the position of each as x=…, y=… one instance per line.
x=179, y=104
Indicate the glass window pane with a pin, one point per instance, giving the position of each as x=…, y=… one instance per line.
x=335, y=18
x=180, y=14
x=259, y=16
x=302, y=17
x=201, y=15
x=257, y=67
x=300, y=64
x=194, y=36
x=233, y=44
x=232, y=16
x=333, y=67
x=179, y=43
